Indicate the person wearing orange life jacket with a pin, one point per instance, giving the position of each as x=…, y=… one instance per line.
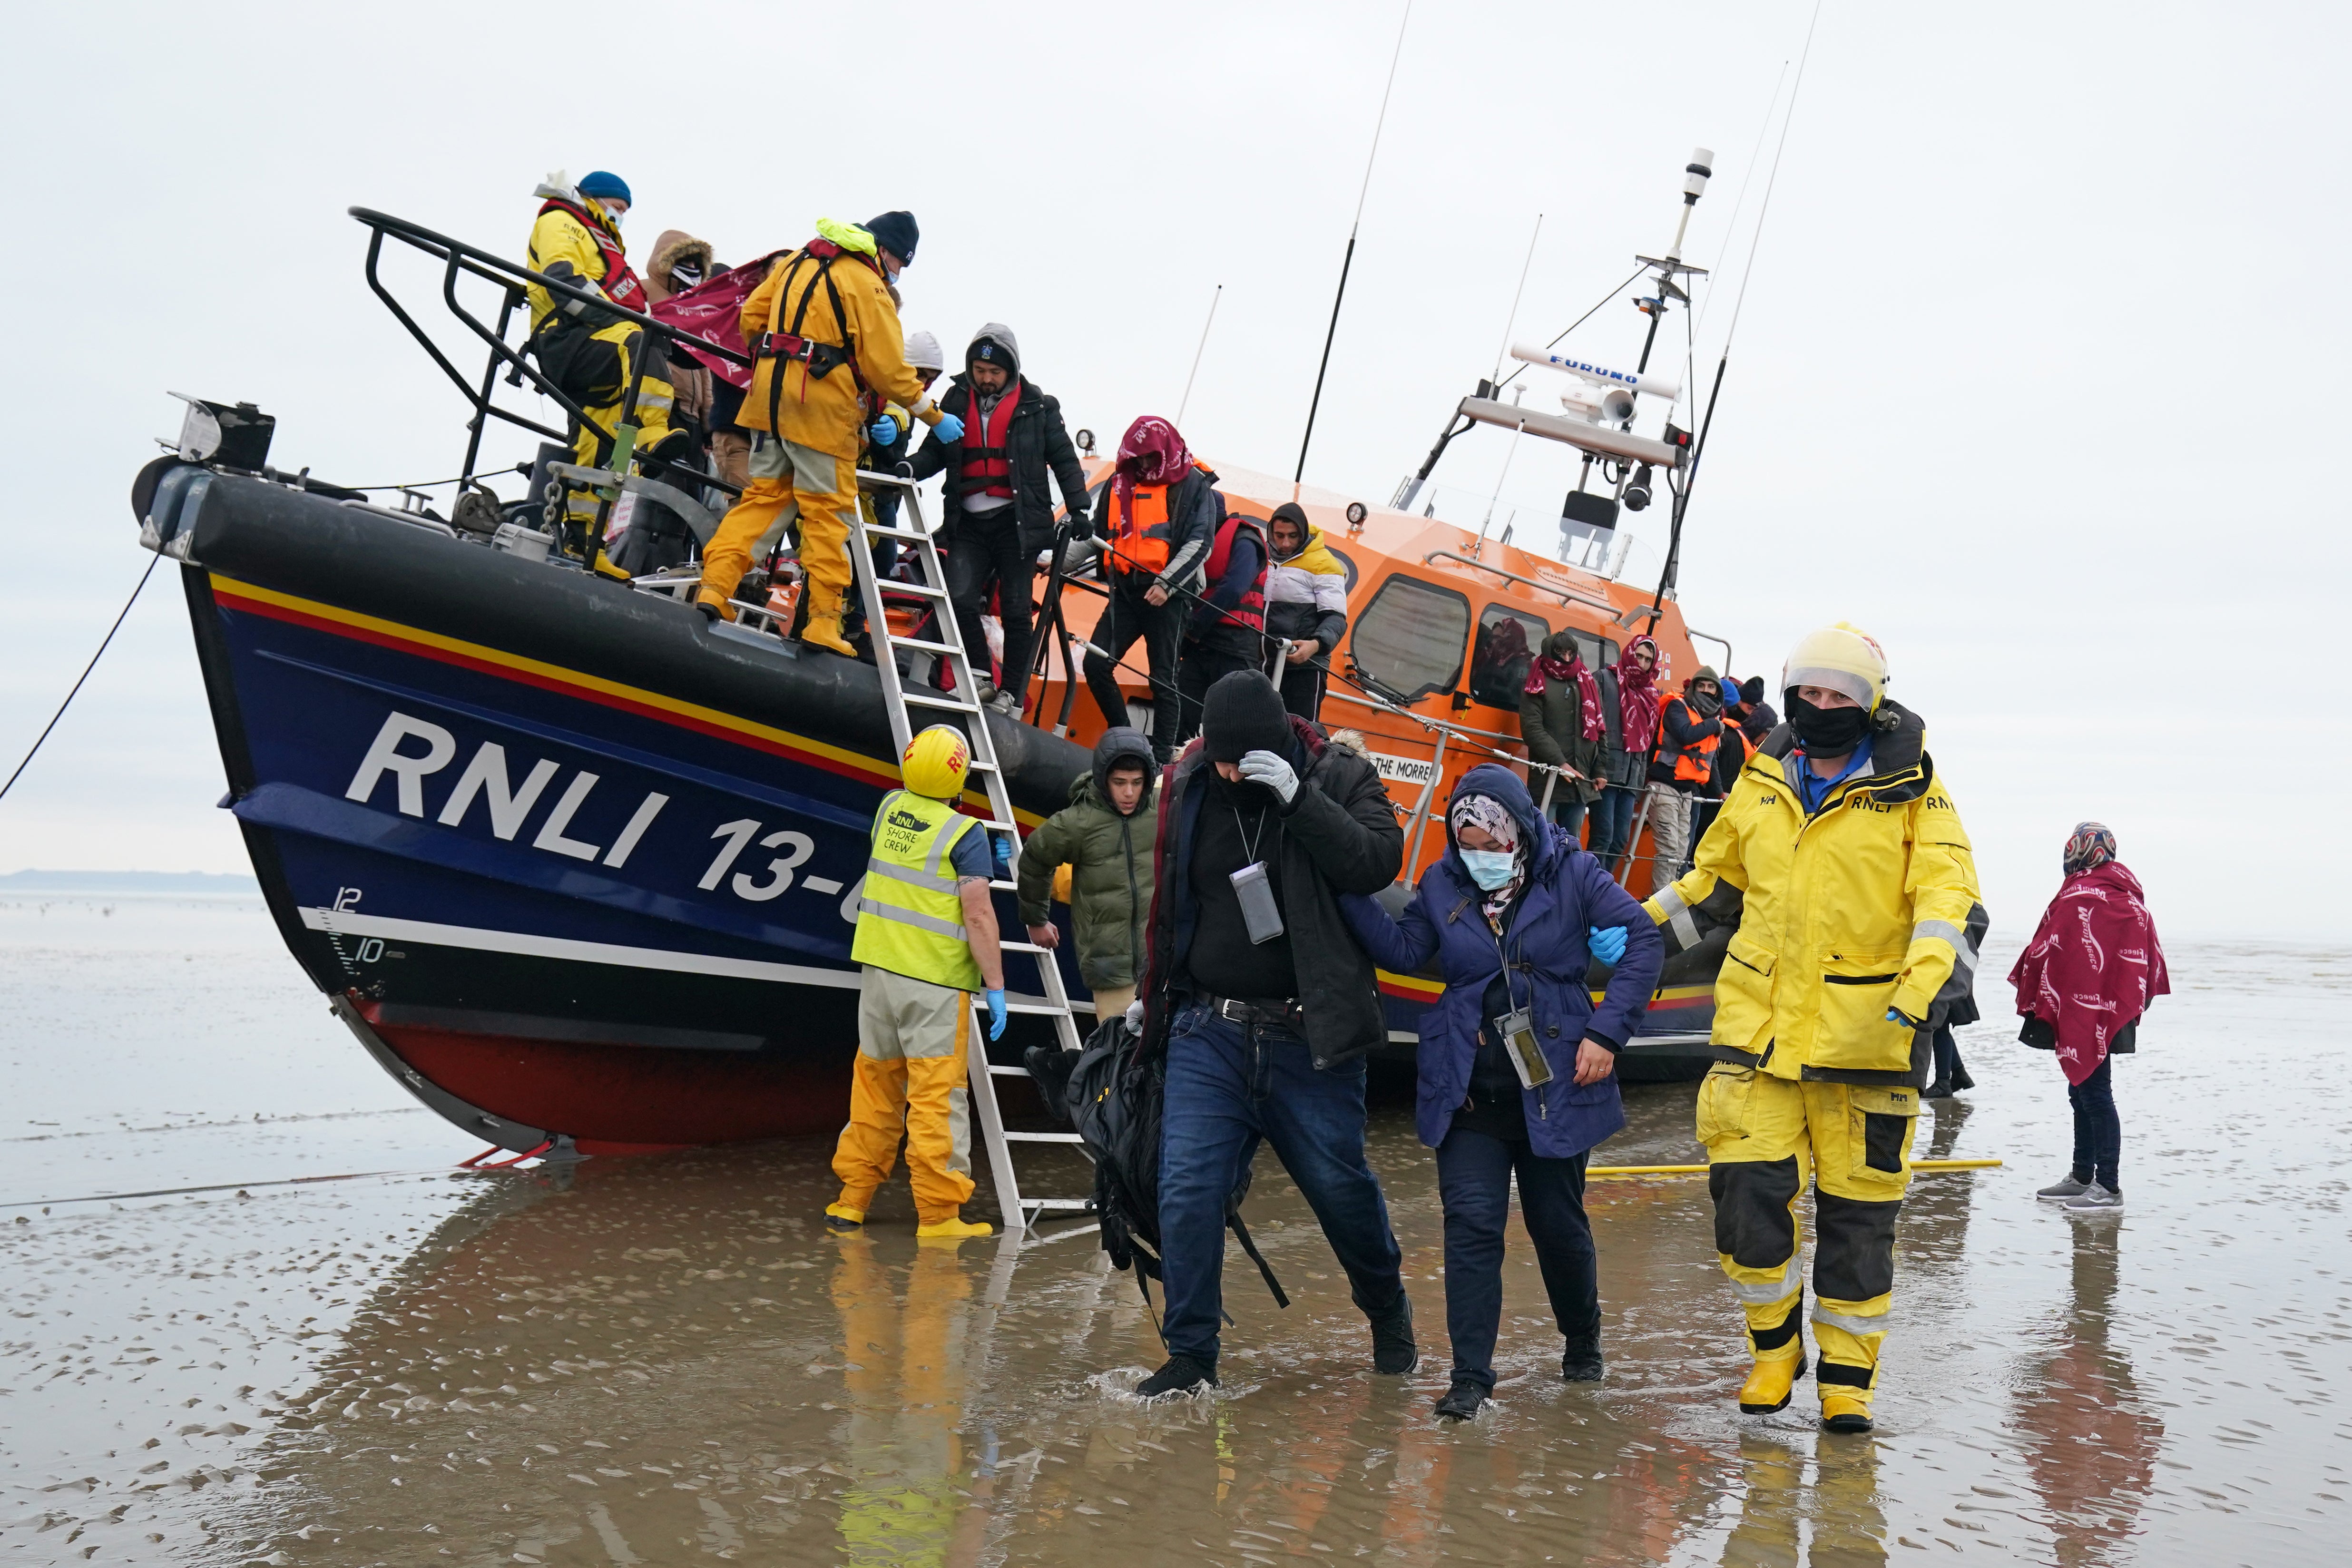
x=829, y=353
x=590, y=354
x=1158, y=518
x=1225, y=628
x=998, y=508
x=1690, y=732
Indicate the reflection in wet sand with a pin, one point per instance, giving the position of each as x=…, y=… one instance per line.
x=2091, y=1441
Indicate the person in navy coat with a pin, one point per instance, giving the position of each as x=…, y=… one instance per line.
x=1517, y=1065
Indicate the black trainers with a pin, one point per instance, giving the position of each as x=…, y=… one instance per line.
x=1394, y=1352
x=1582, y=1362
x=1181, y=1374
x=1461, y=1402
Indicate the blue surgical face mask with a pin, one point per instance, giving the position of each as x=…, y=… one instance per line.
x=1490, y=869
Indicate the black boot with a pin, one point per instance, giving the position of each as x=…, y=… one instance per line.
x=1394, y=1352
x=1582, y=1361
x=1181, y=1374
x=1461, y=1402
x=1960, y=1079
x=1939, y=1090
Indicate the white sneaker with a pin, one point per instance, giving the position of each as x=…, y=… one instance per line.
x=2059, y=1191
x=2095, y=1199
x=1004, y=703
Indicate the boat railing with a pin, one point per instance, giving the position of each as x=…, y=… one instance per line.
x=1566, y=596
x=460, y=260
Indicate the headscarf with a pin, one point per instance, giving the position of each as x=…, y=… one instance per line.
x=1483, y=812
x=2092, y=844
x=1153, y=453
x=1550, y=666
x=1637, y=696
x=2094, y=964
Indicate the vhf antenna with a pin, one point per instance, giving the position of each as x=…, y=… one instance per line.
x=1696, y=175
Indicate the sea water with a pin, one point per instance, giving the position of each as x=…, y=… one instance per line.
x=669, y=1360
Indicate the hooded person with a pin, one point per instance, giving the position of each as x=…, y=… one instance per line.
x=1629, y=714
x=829, y=353
x=1516, y=1065
x=1158, y=517
x=999, y=507
x=1104, y=836
x=590, y=353
x=2084, y=984
x=1306, y=609
x=1690, y=733
x=1842, y=861
x=1265, y=1006
x=1563, y=724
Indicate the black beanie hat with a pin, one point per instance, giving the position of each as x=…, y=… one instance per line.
x=896, y=232
x=1243, y=713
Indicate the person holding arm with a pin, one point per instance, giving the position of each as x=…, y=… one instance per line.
x=1517, y=1069
x=1841, y=859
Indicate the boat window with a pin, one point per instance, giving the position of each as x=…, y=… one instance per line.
x=1507, y=642
x=1409, y=637
x=1597, y=650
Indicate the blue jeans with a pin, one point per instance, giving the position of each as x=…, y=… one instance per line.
x=1229, y=1087
x=2098, y=1131
x=1474, y=1182
x=1612, y=822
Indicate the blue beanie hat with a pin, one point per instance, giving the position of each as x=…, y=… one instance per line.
x=896, y=232
x=604, y=186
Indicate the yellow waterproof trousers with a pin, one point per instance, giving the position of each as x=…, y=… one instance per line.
x=1767, y=1138
x=592, y=445
x=908, y=1082
x=789, y=481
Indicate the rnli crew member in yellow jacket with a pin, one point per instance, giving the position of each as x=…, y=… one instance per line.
x=927, y=939
x=588, y=353
x=830, y=358
x=1841, y=858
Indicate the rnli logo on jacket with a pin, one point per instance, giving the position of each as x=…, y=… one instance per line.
x=903, y=818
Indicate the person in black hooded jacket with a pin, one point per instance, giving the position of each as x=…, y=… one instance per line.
x=997, y=509
x=1264, y=1039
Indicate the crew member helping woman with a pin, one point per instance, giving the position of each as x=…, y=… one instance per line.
x=1517, y=1067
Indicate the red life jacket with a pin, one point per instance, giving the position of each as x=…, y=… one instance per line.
x=620, y=281
x=987, y=461
x=1250, y=614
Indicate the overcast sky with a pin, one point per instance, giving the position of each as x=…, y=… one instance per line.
x=2037, y=378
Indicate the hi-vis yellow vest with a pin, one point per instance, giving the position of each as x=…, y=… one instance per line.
x=909, y=918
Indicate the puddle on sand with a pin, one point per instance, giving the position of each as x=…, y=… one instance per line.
x=662, y=1360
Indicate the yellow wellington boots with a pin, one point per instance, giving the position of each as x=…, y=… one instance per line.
x=849, y=1212
x=953, y=1227
x=824, y=627
x=1845, y=1411
x=1767, y=1386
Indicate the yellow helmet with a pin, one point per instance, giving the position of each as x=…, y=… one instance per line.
x=935, y=762
x=1842, y=657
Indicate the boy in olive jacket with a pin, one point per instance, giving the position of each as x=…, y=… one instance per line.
x=1104, y=836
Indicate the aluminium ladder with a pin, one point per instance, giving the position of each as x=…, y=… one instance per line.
x=1020, y=1212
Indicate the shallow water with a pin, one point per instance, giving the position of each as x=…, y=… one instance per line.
x=660, y=1359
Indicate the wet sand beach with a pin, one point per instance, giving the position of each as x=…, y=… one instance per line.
x=670, y=1359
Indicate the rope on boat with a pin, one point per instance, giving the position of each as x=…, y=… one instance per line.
x=102, y=646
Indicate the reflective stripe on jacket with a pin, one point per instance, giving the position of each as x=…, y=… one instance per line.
x=1863, y=905
x=909, y=915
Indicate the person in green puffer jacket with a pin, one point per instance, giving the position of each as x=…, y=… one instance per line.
x=1104, y=836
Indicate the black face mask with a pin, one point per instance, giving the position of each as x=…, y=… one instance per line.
x=1827, y=732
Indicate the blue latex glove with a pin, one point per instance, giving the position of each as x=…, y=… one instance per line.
x=885, y=431
x=1607, y=945
x=996, y=1014
x=1265, y=768
x=1898, y=1015
x=1003, y=847
x=948, y=428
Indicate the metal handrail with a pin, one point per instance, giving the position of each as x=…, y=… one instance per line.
x=1565, y=595
x=1723, y=643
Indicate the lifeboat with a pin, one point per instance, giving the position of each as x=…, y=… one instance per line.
x=581, y=869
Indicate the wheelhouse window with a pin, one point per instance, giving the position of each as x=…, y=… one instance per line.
x=1509, y=640
x=1410, y=637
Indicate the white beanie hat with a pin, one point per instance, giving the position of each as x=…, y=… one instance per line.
x=923, y=352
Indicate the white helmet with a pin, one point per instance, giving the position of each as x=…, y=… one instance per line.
x=923, y=352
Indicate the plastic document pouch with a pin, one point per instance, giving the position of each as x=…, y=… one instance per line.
x=1255, y=892
x=1518, y=1033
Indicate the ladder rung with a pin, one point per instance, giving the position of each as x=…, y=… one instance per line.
x=1054, y=1009
x=875, y=530
x=1079, y=1206
x=1043, y=1137
x=952, y=704
x=921, y=646
x=923, y=588
x=997, y=1069
x=1022, y=947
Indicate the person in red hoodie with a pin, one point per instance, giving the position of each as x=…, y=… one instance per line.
x=2083, y=983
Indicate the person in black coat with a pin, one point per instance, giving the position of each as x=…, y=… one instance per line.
x=1265, y=1031
x=997, y=509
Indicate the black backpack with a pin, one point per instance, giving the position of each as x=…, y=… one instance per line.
x=1111, y=1091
